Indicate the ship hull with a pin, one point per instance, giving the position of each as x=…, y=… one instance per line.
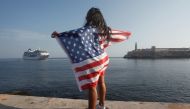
x=35, y=58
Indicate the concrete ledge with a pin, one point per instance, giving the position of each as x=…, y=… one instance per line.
x=23, y=102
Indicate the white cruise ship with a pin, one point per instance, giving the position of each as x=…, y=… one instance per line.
x=35, y=54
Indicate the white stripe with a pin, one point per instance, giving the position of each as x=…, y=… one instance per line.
x=116, y=31
x=87, y=81
x=118, y=37
x=91, y=70
x=104, y=68
x=91, y=60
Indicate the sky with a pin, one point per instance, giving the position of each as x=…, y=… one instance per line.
x=29, y=23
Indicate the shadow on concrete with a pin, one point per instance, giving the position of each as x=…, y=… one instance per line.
x=17, y=92
x=7, y=107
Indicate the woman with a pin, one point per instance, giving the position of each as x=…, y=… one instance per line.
x=85, y=49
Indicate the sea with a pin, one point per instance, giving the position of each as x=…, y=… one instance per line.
x=154, y=80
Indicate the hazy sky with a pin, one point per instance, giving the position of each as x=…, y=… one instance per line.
x=28, y=23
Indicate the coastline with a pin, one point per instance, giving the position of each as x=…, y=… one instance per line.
x=21, y=102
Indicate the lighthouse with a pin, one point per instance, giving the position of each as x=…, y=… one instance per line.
x=135, y=46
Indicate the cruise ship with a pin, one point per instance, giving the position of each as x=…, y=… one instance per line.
x=35, y=54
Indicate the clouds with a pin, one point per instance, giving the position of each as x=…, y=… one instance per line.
x=20, y=35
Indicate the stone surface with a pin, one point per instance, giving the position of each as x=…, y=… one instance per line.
x=23, y=102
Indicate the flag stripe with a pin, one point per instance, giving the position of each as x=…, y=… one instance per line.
x=87, y=86
x=94, y=59
x=94, y=69
x=91, y=80
x=91, y=65
x=93, y=74
x=93, y=83
x=118, y=37
x=117, y=40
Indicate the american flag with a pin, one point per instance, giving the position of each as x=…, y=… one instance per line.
x=85, y=49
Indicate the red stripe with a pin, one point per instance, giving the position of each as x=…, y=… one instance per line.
x=91, y=65
x=91, y=75
x=116, y=40
x=89, y=85
x=123, y=34
x=106, y=45
x=102, y=41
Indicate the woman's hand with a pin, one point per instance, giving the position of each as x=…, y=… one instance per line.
x=55, y=34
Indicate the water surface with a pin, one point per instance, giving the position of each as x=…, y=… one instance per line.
x=164, y=80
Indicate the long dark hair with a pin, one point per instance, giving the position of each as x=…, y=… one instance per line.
x=95, y=18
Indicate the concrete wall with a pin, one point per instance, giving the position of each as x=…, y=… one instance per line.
x=23, y=102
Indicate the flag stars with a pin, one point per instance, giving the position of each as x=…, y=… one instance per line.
x=72, y=50
x=79, y=34
x=77, y=39
x=87, y=56
x=78, y=52
x=97, y=40
x=67, y=47
x=80, y=59
x=66, y=34
x=71, y=37
x=82, y=45
x=85, y=34
x=82, y=38
x=74, y=44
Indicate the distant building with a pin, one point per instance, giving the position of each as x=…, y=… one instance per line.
x=154, y=53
